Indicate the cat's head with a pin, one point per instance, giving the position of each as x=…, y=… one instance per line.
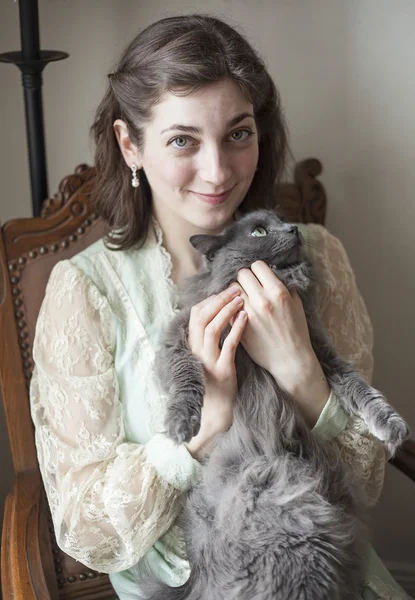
x=259, y=235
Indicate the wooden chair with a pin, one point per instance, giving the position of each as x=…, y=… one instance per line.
x=32, y=566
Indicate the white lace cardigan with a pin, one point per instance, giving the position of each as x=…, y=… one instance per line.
x=112, y=479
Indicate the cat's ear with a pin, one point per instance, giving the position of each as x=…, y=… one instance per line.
x=207, y=244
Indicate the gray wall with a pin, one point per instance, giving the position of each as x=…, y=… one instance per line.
x=346, y=74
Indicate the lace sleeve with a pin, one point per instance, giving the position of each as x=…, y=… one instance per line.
x=344, y=314
x=110, y=500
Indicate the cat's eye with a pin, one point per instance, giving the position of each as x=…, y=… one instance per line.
x=259, y=232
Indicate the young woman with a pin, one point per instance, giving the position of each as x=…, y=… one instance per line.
x=189, y=132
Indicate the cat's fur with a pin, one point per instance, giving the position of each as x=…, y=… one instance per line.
x=276, y=515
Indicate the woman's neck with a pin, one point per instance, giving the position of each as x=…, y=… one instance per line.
x=186, y=260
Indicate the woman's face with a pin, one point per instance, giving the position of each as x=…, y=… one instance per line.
x=200, y=154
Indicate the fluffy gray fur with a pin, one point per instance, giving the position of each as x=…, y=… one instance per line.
x=276, y=515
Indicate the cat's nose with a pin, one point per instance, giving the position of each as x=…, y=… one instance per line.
x=293, y=229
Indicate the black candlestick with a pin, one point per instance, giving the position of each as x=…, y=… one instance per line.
x=31, y=61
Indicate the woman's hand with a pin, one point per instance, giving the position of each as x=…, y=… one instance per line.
x=277, y=338
x=207, y=321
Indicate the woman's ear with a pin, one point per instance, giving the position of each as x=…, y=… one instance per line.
x=128, y=149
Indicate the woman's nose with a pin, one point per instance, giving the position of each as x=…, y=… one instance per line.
x=215, y=167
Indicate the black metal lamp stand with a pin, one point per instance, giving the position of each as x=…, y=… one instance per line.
x=31, y=61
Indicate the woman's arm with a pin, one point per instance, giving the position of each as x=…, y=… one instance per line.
x=110, y=500
x=343, y=312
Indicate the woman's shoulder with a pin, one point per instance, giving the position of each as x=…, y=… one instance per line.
x=93, y=255
x=318, y=233
x=95, y=266
x=82, y=268
x=123, y=277
x=325, y=248
x=99, y=261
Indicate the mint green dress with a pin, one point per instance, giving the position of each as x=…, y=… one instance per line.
x=114, y=481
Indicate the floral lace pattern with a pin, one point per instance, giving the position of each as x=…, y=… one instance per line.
x=344, y=313
x=384, y=591
x=108, y=501
x=167, y=265
x=342, y=308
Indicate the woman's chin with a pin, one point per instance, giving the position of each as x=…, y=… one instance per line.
x=216, y=221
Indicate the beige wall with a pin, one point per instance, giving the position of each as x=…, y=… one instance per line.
x=346, y=74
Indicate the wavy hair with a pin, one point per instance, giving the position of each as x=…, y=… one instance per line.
x=178, y=55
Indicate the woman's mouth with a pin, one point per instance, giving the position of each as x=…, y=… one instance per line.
x=214, y=198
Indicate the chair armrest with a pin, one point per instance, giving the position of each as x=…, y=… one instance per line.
x=404, y=460
x=27, y=570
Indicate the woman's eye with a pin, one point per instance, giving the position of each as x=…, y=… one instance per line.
x=240, y=134
x=179, y=142
x=259, y=232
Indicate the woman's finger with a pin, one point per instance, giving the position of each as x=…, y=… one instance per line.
x=203, y=313
x=267, y=277
x=249, y=283
x=231, y=289
x=216, y=326
x=205, y=302
x=262, y=286
x=209, y=310
x=227, y=355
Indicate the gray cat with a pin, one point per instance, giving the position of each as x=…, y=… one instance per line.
x=276, y=514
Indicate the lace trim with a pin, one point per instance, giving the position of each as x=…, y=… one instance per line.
x=384, y=591
x=167, y=265
x=365, y=454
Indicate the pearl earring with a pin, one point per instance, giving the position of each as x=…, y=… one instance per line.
x=135, y=182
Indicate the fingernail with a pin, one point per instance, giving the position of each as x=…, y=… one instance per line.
x=234, y=289
x=242, y=314
x=238, y=300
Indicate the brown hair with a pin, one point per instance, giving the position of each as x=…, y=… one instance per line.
x=178, y=55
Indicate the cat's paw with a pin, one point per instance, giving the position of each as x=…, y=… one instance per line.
x=391, y=429
x=182, y=422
